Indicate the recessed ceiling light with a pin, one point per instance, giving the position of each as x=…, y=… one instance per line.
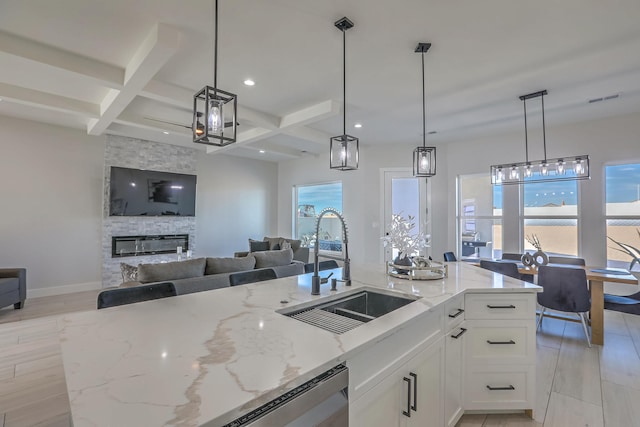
x=261, y=151
x=165, y=132
x=249, y=82
x=357, y=125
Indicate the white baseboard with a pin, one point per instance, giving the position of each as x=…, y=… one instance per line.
x=61, y=290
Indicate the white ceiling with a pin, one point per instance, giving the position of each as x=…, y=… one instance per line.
x=103, y=66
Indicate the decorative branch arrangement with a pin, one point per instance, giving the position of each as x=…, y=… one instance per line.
x=403, y=237
x=634, y=253
x=534, y=241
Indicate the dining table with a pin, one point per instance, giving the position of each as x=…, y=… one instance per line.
x=596, y=276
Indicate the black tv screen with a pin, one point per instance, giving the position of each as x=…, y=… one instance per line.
x=136, y=192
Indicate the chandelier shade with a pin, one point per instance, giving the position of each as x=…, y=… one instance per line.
x=570, y=168
x=214, y=110
x=344, y=150
x=424, y=158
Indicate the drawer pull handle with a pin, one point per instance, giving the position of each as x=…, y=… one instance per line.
x=415, y=391
x=460, y=311
x=501, y=306
x=510, y=387
x=501, y=342
x=459, y=334
x=407, y=413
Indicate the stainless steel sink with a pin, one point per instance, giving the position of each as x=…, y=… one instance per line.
x=339, y=315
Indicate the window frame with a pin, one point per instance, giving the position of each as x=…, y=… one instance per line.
x=295, y=190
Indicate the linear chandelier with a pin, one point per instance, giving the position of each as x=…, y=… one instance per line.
x=214, y=110
x=344, y=149
x=560, y=169
x=424, y=158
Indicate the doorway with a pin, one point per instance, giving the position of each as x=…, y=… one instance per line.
x=404, y=195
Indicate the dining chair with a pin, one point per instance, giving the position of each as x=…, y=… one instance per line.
x=122, y=296
x=568, y=260
x=450, y=256
x=322, y=265
x=505, y=268
x=252, y=276
x=564, y=289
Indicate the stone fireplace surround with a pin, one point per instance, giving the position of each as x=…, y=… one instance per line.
x=141, y=154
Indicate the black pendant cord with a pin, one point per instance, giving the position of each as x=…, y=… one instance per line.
x=424, y=107
x=215, y=50
x=544, y=136
x=526, y=133
x=344, y=82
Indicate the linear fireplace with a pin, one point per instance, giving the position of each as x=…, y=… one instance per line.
x=127, y=246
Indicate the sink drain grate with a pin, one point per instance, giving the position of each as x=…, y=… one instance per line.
x=328, y=321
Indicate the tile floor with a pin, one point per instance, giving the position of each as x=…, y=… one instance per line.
x=576, y=385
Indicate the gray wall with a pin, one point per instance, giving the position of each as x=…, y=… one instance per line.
x=237, y=200
x=607, y=141
x=51, y=209
x=51, y=205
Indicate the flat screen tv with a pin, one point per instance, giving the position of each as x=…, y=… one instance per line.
x=136, y=192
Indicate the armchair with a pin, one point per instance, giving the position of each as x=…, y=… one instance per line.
x=13, y=287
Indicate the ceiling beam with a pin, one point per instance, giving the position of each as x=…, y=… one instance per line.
x=310, y=114
x=160, y=45
x=242, y=139
x=47, y=101
x=308, y=134
x=86, y=68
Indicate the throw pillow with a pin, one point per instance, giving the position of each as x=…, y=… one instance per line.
x=229, y=265
x=284, y=244
x=273, y=258
x=258, y=245
x=274, y=243
x=168, y=271
x=129, y=272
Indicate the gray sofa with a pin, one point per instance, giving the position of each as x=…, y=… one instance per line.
x=204, y=274
x=300, y=253
x=13, y=287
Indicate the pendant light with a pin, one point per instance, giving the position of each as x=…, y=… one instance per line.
x=214, y=110
x=424, y=158
x=343, y=149
x=571, y=168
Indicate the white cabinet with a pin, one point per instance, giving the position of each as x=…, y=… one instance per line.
x=500, y=351
x=403, y=372
x=454, y=363
x=409, y=396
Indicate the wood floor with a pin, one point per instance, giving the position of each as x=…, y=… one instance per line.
x=576, y=385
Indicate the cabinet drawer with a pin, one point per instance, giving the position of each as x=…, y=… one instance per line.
x=499, y=342
x=504, y=388
x=454, y=312
x=500, y=306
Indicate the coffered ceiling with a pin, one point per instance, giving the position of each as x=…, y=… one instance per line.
x=124, y=66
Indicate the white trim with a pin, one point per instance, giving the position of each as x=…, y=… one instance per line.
x=64, y=289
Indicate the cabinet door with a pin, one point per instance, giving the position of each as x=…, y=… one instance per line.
x=427, y=368
x=381, y=406
x=453, y=375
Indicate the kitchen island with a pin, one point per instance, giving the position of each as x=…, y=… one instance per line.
x=207, y=358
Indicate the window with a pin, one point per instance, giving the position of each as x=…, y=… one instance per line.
x=309, y=201
x=480, y=217
x=550, y=212
x=622, y=184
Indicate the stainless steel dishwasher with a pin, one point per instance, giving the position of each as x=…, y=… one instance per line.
x=319, y=402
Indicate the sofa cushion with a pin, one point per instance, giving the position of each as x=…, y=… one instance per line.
x=273, y=258
x=258, y=245
x=162, y=272
x=229, y=265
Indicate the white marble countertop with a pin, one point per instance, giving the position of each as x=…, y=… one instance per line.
x=209, y=357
